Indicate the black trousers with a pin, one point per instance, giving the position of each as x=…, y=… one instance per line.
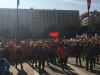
x=19, y=62
x=63, y=63
x=34, y=60
x=41, y=64
x=78, y=60
x=91, y=62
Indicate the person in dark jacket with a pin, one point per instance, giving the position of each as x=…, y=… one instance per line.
x=78, y=53
x=19, y=57
x=90, y=55
x=6, y=52
x=34, y=55
x=4, y=66
x=41, y=57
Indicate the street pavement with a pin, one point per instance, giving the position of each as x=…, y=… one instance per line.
x=96, y=70
x=28, y=69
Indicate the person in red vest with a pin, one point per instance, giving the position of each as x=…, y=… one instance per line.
x=12, y=48
x=62, y=56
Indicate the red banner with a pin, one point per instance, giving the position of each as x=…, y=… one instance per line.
x=54, y=34
x=89, y=4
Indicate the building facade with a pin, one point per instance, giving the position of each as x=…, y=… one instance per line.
x=94, y=18
x=39, y=21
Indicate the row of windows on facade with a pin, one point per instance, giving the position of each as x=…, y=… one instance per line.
x=53, y=17
x=42, y=13
x=48, y=24
x=49, y=15
x=37, y=12
x=37, y=21
x=40, y=16
x=23, y=21
x=54, y=20
x=74, y=16
x=55, y=12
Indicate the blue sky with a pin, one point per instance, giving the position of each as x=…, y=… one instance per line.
x=80, y=5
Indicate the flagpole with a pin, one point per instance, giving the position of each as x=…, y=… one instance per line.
x=57, y=4
x=17, y=22
x=88, y=22
x=89, y=25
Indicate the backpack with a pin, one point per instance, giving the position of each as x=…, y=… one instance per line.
x=4, y=65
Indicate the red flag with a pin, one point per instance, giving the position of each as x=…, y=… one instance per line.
x=89, y=4
x=54, y=34
x=18, y=2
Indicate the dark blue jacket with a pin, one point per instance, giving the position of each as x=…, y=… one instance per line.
x=4, y=65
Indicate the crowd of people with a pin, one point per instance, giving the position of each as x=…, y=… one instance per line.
x=55, y=51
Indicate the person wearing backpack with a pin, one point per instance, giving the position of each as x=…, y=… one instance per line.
x=4, y=66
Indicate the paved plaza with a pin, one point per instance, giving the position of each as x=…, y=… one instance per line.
x=55, y=70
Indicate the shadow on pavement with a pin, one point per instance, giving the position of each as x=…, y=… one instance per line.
x=21, y=72
x=95, y=71
x=69, y=70
x=98, y=68
x=54, y=69
x=78, y=66
x=66, y=67
x=36, y=69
